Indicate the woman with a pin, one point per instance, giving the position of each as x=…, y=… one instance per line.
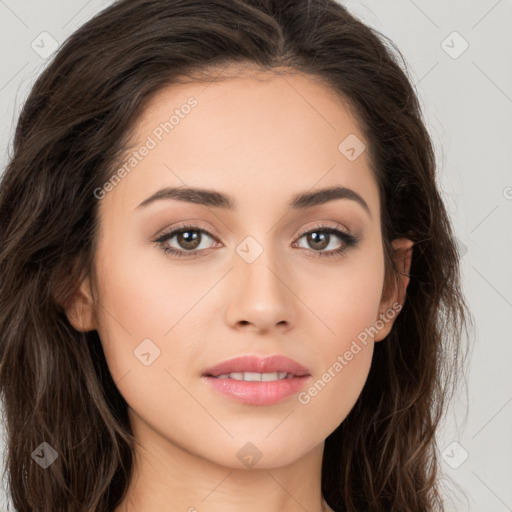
x=227, y=277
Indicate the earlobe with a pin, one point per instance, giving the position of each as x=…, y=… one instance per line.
x=393, y=302
x=80, y=309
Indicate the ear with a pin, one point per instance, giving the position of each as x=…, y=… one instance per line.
x=394, y=294
x=80, y=308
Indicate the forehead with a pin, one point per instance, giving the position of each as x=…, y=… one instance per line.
x=248, y=96
x=246, y=129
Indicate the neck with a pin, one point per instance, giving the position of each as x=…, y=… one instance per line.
x=167, y=477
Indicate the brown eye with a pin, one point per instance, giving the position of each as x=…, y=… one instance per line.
x=188, y=240
x=320, y=238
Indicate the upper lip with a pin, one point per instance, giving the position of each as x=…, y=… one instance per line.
x=256, y=364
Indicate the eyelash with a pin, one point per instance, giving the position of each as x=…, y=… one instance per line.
x=348, y=239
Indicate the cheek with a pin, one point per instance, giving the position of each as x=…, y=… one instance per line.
x=348, y=306
x=344, y=363
x=142, y=305
x=347, y=298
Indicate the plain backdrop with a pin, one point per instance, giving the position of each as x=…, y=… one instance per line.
x=459, y=58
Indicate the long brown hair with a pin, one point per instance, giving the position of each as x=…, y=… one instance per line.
x=74, y=127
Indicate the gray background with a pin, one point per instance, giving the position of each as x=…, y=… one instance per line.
x=466, y=94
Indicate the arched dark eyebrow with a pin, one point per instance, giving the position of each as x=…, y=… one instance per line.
x=219, y=200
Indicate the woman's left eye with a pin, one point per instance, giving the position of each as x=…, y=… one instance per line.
x=190, y=238
x=321, y=238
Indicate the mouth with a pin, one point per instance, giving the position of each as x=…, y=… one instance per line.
x=254, y=380
x=255, y=368
x=255, y=376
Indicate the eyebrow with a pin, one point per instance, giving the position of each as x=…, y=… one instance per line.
x=219, y=200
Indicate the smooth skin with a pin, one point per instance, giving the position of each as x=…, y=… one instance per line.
x=260, y=138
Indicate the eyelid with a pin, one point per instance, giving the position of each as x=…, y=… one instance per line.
x=187, y=224
x=324, y=225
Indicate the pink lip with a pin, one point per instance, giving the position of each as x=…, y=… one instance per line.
x=258, y=364
x=258, y=393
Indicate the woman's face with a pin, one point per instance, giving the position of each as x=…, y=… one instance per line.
x=259, y=275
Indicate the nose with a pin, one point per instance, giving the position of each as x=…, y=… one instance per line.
x=261, y=295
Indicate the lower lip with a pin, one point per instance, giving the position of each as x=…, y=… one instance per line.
x=258, y=393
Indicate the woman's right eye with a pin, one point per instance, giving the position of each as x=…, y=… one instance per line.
x=188, y=238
